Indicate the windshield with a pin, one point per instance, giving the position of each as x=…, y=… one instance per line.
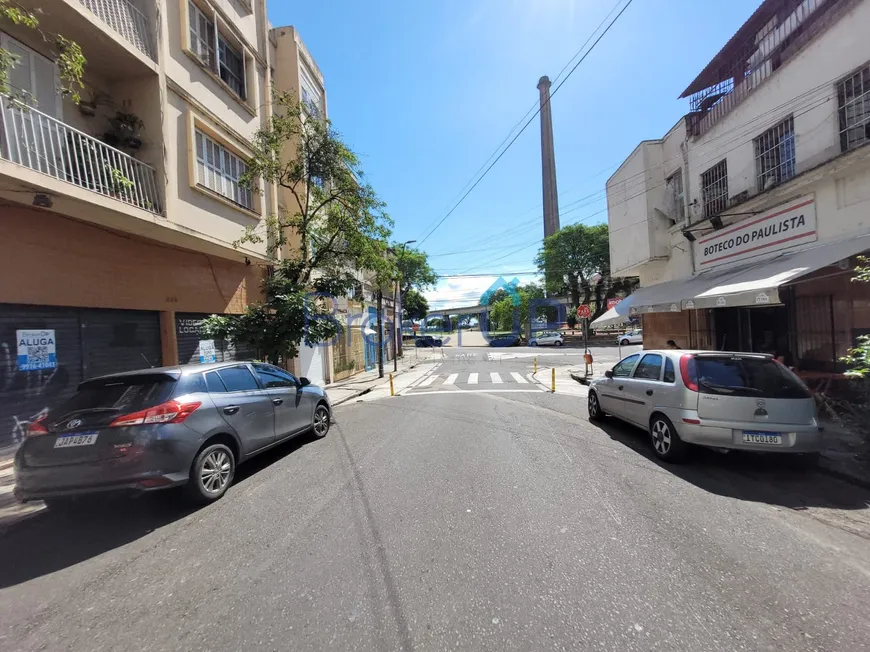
x=114, y=396
x=753, y=377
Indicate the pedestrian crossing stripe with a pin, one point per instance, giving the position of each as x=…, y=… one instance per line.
x=428, y=381
x=495, y=378
x=451, y=379
x=474, y=378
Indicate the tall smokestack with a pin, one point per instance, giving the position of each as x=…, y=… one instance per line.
x=548, y=161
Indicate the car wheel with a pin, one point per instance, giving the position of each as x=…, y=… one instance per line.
x=320, y=422
x=558, y=342
x=667, y=444
x=624, y=343
x=211, y=474
x=533, y=344
x=595, y=411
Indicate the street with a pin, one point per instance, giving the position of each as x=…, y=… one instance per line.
x=452, y=516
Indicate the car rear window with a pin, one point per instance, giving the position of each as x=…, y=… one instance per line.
x=114, y=396
x=755, y=377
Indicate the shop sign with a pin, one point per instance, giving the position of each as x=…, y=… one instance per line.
x=36, y=350
x=721, y=302
x=690, y=305
x=786, y=226
x=207, y=351
x=675, y=308
x=612, y=303
x=762, y=298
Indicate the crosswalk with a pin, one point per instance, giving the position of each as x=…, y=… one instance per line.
x=482, y=380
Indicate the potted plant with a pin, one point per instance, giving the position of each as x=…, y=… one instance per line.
x=125, y=130
x=119, y=186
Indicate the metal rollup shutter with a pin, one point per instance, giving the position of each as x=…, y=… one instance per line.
x=25, y=395
x=188, y=332
x=119, y=340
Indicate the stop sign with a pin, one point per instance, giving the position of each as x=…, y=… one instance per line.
x=583, y=312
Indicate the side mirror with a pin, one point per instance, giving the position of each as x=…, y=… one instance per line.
x=609, y=373
x=304, y=382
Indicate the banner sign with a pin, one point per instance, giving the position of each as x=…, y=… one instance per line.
x=37, y=350
x=612, y=303
x=783, y=227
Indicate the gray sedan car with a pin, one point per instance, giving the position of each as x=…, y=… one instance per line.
x=723, y=400
x=158, y=428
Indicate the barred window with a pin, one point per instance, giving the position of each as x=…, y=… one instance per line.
x=714, y=189
x=775, y=155
x=219, y=169
x=853, y=99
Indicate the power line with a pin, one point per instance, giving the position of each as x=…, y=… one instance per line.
x=526, y=125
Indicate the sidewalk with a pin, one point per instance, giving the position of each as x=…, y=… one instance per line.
x=349, y=389
x=11, y=511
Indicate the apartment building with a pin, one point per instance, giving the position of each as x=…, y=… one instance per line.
x=119, y=214
x=744, y=222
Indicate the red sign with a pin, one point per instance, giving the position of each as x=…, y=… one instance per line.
x=583, y=312
x=611, y=303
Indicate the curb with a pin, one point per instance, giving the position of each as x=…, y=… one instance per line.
x=18, y=520
x=841, y=475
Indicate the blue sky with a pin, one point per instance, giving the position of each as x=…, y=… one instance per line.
x=425, y=91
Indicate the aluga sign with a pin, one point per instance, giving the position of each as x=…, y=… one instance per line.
x=780, y=228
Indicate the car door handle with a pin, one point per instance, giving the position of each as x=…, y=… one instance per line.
x=649, y=392
x=231, y=409
x=620, y=387
x=277, y=401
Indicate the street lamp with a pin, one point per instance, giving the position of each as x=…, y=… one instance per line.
x=397, y=305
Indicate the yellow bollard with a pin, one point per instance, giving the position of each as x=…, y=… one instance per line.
x=554, y=380
x=536, y=365
x=392, y=390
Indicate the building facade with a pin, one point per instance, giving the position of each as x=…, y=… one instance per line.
x=120, y=213
x=745, y=222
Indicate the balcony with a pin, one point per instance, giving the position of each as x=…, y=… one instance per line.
x=44, y=144
x=127, y=20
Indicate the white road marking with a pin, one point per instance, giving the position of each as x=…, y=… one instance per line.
x=495, y=377
x=451, y=379
x=472, y=379
x=429, y=380
x=457, y=391
x=517, y=377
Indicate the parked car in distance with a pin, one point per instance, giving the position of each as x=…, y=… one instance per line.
x=158, y=428
x=550, y=338
x=427, y=341
x=631, y=337
x=746, y=401
x=503, y=340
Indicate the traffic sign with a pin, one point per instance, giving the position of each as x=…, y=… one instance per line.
x=583, y=312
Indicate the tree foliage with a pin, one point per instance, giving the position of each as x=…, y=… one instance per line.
x=414, y=305
x=858, y=357
x=569, y=260
x=67, y=54
x=414, y=270
x=335, y=225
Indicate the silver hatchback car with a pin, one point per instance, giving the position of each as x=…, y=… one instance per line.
x=158, y=428
x=719, y=399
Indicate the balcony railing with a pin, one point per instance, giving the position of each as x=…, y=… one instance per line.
x=42, y=143
x=126, y=19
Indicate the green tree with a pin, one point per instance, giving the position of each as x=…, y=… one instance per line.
x=67, y=54
x=414, y=305
x=337, y=225
x=414, y=270
x=858, y=357
x=572, y=257
x=501, y=314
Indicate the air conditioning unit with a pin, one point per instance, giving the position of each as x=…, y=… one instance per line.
x=739, y=198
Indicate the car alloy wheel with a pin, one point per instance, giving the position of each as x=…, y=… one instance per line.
x=661, y=436
x=320, y=426
x=666, y=442
x=215, y=471
x=558, y=342
x=595, y=413
x=624, y=343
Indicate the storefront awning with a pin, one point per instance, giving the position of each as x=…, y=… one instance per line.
x=760, y=283
x=610, y=318
x=661, y=297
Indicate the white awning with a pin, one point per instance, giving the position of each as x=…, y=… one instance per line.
x=610, y=318
x=661, y=297
x=760, y=283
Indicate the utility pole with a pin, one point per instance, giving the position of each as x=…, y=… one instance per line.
x=548, y=161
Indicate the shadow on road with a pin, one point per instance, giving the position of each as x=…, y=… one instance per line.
x=773, y=479
x=52, y=541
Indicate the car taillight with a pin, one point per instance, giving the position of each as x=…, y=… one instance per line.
x=687, y=371
x=35, y=429
x=169, y=412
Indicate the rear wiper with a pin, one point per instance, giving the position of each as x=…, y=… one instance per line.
x=732, y=388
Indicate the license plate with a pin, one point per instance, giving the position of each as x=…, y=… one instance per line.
x=80, y=439
x=751, y=437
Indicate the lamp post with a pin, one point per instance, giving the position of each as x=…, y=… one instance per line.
x=397, y=306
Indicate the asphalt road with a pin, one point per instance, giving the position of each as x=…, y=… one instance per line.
x=455, y=518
